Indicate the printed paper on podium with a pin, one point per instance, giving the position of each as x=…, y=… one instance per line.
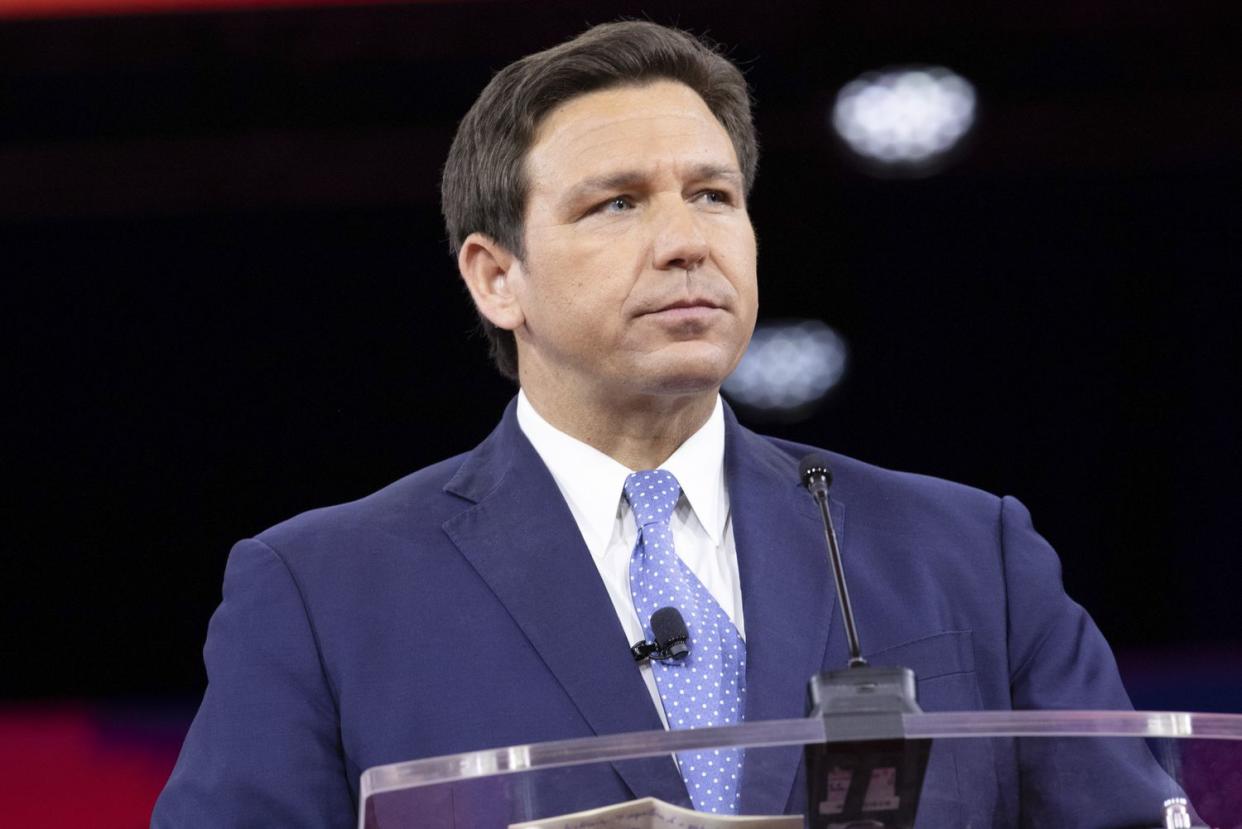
x=651, y=813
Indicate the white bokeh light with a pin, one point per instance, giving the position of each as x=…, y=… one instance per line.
x=904, y=116
x=789, y=365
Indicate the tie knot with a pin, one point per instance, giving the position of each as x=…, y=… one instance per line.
x=652, y=494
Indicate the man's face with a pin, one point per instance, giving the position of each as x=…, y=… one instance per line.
x=639, y=273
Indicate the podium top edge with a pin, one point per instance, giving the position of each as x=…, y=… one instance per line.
x=935, y=725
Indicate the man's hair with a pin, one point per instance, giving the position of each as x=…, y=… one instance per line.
x=484, y=187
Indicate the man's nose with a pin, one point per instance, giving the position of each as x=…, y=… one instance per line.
x=679, y=240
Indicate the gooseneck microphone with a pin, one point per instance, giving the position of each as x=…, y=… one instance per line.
x=671, y=637
x=817, y=477
x=862, y=708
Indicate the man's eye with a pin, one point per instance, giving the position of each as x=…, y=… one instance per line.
x=617, y=204
x=716, y=197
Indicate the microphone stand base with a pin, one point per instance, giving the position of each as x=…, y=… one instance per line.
x=866, y=773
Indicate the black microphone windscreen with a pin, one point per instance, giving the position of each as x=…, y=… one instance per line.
x=813, y=466
x=667, y=624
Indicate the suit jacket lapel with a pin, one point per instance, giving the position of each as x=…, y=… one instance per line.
x=787, y=598
x=522, y=539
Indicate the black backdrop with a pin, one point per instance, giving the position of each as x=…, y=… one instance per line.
x=227, y=296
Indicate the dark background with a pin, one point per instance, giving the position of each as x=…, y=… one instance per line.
x=226, y=295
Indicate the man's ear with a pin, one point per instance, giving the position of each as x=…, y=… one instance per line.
x=485, y=266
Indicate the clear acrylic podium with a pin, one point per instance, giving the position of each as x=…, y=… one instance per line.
x=1200, y=754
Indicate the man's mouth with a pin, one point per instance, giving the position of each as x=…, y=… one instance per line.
x=689, y=303
x=694, y=313
x=687, y=307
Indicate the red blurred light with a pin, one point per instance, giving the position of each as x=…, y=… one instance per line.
x=61, y=767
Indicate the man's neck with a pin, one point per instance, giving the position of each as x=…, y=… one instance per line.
x=637, y=433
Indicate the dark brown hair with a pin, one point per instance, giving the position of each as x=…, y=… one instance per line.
x=484, y=187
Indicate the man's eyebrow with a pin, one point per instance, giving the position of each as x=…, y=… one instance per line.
x=631, y=179
x=708, y=172
x=623, y=180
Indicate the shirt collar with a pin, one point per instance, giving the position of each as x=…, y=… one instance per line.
x=592, y=482
x=698, y=465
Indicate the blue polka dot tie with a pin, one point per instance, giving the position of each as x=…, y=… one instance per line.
x=708, y=687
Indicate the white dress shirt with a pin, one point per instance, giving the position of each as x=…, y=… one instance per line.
x=591, y=483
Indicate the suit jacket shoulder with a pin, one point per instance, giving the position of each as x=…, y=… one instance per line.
x=409, y=505
x=901, y=495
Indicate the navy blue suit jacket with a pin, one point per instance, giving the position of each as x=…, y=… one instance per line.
x=458, y=609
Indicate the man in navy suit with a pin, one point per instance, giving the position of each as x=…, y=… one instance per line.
x=596, y=197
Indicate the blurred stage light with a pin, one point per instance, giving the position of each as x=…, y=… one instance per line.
x=907, y=116
x=789, y=367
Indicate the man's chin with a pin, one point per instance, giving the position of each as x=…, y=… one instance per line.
x=683, y=387
x=685, y=377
